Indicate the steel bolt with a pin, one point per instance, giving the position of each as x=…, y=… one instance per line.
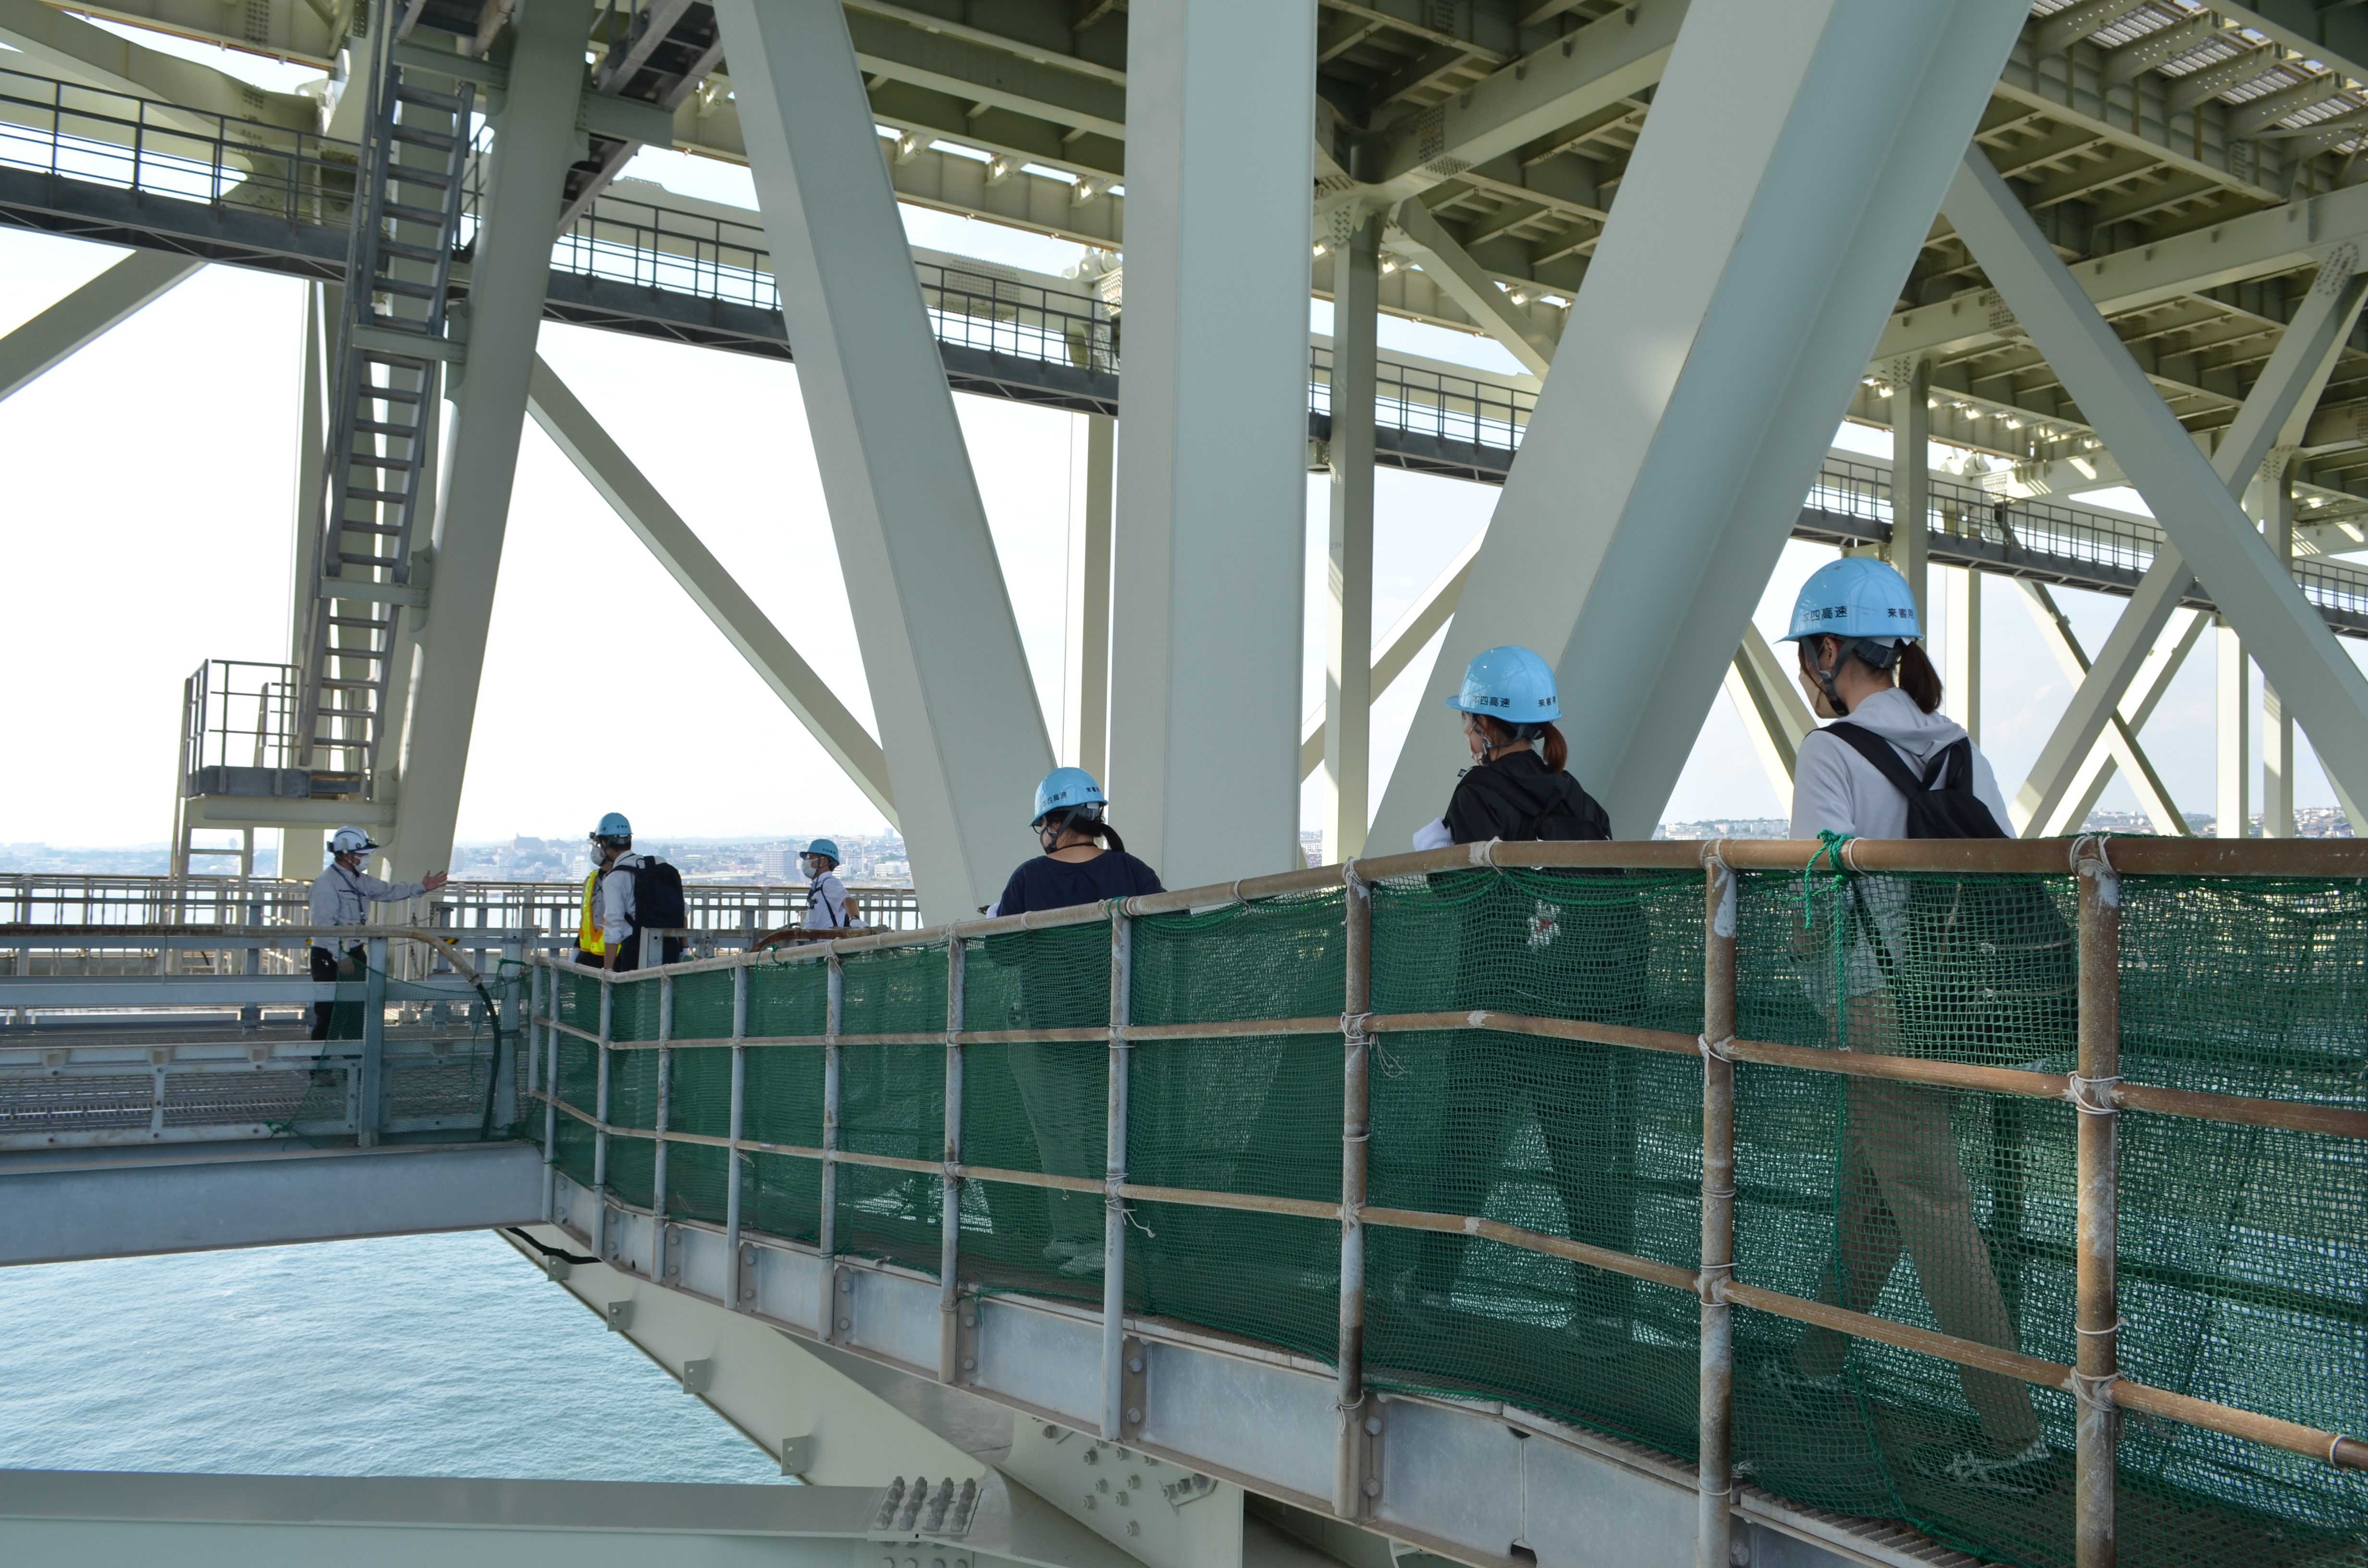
x=846, y=1286
x=969, y=1365
x=1101, y=1486
x=1372, y=1426
x=1089, y=1500
x=1132, y=1527
x=846, y=1323
x=1135, y=1363
x=1373, y=1488
x=1135, y=1417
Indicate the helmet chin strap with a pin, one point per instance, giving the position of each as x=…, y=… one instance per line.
x=1825, y=678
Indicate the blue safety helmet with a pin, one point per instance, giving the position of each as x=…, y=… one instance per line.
x=613, y=825
x=1065, y=788
x=1510, y=685
x=1855, y=597
x=824, y=846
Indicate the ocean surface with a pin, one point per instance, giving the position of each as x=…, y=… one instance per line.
x=415, y=1356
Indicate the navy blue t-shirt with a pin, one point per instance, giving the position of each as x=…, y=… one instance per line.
x=1047, y=883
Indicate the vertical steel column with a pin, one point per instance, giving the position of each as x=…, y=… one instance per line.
x=373, y=1084
x=551, y=1093
x=735, y=1283
x=1911, y=482
x=665, y=1109
x=949, y=1222
x=2097, y=1313
x=1715, y=1524
x=826, y=1232
x=600, y=1122
x=1349, y=642
x=1356, y=1107
x=1113, y=1178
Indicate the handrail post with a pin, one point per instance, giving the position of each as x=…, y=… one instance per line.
x=373, y=1084
x=826, y=1224
x=520, y=1061
x=549, y=1005
x=733, y=1282
x=665, y=1108
x=1714, y=1522
x=1356, y=1109
x=949, y=1237
x=600, y=1122
x=1113, y=1425
x=2097, y=1364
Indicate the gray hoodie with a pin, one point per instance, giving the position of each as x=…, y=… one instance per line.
x=1837, y=790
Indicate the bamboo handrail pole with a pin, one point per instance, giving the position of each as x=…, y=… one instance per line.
x=2290, y=1116
x=1524, y=1024
x=665, y=1107
x=949, y=1193
x=1114, y=1127
x=1672, y=1275
x=1947, y=1348
x=827, y=1223
x=1714, y=1522
x=734, y=1274
x=2341, y=1451
x=1356, y=1126
x=2096, y=1312
x=601, y=1114
x=1241, y=1202
x=1928, y=1070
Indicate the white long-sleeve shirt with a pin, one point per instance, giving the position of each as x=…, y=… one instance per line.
x=343, y=898
x=614, y=906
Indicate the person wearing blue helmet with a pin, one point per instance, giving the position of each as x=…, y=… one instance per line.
x=1084, y=861
x=1890, y=765
x=1517, y=788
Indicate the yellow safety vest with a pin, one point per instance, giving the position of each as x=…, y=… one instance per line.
x=588, y=937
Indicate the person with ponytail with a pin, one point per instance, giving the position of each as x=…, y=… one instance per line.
x=1509, y=704
x=1084, y=861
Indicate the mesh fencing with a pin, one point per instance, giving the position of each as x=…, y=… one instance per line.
x=1946, y=1210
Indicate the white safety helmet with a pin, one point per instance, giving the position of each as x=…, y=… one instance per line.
x=351, y=841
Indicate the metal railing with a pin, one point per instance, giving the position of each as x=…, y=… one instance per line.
x=1851, y=502
x=2094, y=1086
x=132, y=1060
x=237, y=713
x=1436, y=404
x=127, y=924
x=106, y=138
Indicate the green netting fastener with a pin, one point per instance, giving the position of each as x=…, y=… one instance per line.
x=1830, y=848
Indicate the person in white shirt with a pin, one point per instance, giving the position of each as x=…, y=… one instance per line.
x=1902, y=1188
x=612, y=900
x=830, y=908
x=342, y=895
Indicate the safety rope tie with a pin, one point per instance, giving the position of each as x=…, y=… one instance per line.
x=1357, y=1024
x=2117, y=1327
x=2093, y=1393
x=1721, y=1049
x=2080, y=1090
x=1829, y=849
x=2096, y=846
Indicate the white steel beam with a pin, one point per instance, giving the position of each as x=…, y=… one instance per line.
x=1465, y=281
x=1211, y=472
x=2121, y=741
x=1961, y=673
x=55, y=336
x=1911, y=482
x=1085, y=688
x=1409, y=636
x=1792, y=164
x=534, y=140
x=2146, y=692
x=1768, y=700
x=2189, y=495
x=1618, y=57
x=1349, y=576
x=960, y=722
x=75, y=49
x=2270, y=501
x=621, y=484
x=2231, y=711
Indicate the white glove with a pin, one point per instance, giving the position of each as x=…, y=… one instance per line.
x=1433, y=835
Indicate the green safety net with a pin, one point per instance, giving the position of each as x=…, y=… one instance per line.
x=2239, y=1264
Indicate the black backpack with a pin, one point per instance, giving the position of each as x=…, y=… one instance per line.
x=1987, y=969
x=658, y=906
x=1561, y=820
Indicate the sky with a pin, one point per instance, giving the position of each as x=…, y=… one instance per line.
x=150, y=501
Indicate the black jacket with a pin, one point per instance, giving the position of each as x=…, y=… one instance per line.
x=1515, y=797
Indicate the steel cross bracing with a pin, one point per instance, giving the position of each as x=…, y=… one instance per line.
x=390, y=348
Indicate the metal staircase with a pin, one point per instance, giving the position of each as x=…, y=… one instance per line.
x=378, y=476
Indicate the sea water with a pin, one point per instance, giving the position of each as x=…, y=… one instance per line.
x=445, y=1354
